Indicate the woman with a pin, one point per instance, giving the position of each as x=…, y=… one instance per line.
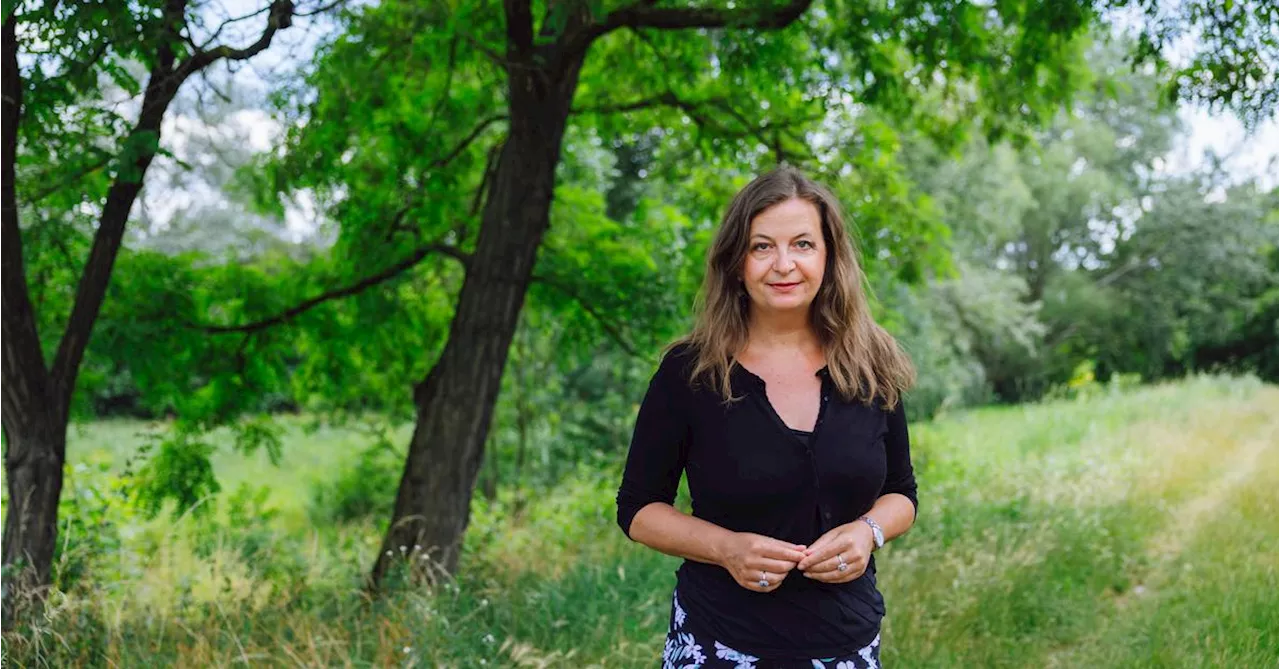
x=784, y=408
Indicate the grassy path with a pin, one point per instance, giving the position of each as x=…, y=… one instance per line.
x=1208, y=596
x=1144, y=536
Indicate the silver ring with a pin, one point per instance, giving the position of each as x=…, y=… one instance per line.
x=842, y=566
x=764, y=580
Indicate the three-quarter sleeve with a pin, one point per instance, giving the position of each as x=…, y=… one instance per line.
x=659, y=444
x=899, y=475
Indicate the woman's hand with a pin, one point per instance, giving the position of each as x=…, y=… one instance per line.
x=754, y=559
x=851, y=543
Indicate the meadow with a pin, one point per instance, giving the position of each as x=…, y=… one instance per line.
x=1120, y=528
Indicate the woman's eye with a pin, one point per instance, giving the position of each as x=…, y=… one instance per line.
x=762, y=246
x=804, y=244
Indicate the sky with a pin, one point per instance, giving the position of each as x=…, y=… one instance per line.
x=1250, y=155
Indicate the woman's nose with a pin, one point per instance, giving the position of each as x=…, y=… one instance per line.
x=783, y=263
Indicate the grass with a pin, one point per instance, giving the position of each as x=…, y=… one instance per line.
x=1126, y=529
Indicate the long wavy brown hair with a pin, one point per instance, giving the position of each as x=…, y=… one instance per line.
x=864, y=361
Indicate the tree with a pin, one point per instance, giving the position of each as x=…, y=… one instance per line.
x=68, y=150
x=1077, y=250
x=1194, y=286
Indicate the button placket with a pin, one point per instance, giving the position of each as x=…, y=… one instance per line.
x=813, y=456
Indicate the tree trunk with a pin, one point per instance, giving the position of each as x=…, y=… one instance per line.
x=455, y=402
x=36, y=399
x=34, y=418
x=33, y=465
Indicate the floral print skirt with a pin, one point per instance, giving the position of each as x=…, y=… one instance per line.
x=688, y=647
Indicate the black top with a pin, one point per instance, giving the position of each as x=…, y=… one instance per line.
x=748, y=472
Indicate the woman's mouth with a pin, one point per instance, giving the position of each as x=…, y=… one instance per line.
x=784, y=287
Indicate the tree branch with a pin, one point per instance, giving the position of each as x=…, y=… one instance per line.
x=322, y=8
x=644, y=15
x=466, y=141
x=697, y=111
x=281, y=16
x=222, y=26
x=370, y=281
x=167, y=74
x=605, y=325
x=140, y=146
x=519, y=27
x=418, y=255
x=664, y=99
x=450, y=69
x=86, y=170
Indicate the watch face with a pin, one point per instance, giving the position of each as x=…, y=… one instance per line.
x=876, y=533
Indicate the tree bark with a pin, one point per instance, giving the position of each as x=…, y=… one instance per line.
x=455, y=402
x=33, y=467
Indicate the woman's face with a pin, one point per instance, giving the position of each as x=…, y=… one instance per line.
x=786, y=257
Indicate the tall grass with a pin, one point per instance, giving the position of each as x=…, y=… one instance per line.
x=1124, y=529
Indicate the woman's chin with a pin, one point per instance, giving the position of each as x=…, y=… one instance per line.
x=786, y=305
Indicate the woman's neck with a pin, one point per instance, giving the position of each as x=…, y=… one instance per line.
x=781, y=331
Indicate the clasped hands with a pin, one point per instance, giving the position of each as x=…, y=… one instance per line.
x=755, y=559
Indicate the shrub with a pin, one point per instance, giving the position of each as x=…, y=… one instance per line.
x=359, y=491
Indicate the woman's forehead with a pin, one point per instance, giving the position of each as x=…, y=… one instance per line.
x=791, y=218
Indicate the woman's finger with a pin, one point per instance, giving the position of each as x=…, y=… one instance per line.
x=825, y=572
x=782, y=551
x=825, y=549
x=834, y=576
x=829, y=564
x=772, y=566
x=762, y=580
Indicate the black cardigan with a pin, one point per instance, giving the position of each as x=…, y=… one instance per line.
x=748, y=472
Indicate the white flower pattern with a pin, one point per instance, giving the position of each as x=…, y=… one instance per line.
x=743, y=660
x=868, y=653
x=683, y=650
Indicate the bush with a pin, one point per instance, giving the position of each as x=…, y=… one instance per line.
x=365, y=489
x=94, y=505
x=1084, y=384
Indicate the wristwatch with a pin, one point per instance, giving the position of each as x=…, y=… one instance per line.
x=876, y=532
